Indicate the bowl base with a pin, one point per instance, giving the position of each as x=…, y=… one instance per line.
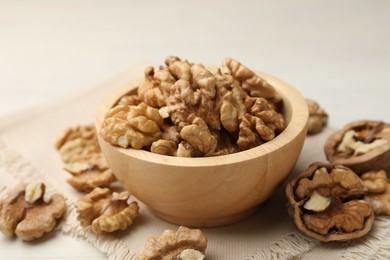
x=206, y=222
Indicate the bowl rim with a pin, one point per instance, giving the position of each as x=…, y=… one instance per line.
x=297, y=123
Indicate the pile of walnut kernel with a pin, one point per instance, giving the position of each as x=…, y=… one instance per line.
x=185, y=109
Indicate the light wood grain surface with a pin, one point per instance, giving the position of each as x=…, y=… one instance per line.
x=336, y=52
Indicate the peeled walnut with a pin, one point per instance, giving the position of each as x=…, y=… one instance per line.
x=155, y=87
x=261, y=108
x=131, y=100
x=318, y=118
x=185, y=101
x=183, y=244
x=90, y=172
x=164, y=147
x=199, y=137
x=250, y=81
x=76, y=142
x=135, y=126
x=86, y=132
x=378, y=186
x=253, y=132
x=327, y=203
x=25, y=213
x=361, y=146
x=106, y=211
x=230, y=99
x=192, y=94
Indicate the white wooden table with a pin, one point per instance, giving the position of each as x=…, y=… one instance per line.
x=336, y=52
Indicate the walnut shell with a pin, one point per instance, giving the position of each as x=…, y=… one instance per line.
x=365, y=132
x=327, y=203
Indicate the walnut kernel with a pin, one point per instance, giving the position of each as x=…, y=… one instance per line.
x=352, y=146
x=164, y=147
x=33, y=192
x=250, y=81
x=171, y=244
x=32, y=218
x=77, y=142
x=139, y=128
x=318, y=118
x=89, y=172
x=317, y=202
x=106, y=212
x=378, y=194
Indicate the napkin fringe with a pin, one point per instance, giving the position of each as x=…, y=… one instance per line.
x=14, y=168
x=375, y=245
x=291, y=246
x=107, y=244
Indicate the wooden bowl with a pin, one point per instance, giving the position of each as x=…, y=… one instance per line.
x=209, y=191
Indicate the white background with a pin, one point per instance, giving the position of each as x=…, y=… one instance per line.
x=336, y=52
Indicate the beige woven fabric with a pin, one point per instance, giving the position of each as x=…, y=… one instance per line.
x=27, y=153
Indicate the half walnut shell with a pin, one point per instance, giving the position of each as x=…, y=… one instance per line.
x=362, y=146
x=327, y=203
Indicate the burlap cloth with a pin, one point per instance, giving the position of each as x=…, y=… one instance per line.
x=27, y=153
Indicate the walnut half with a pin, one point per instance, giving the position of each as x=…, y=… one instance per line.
x=27, y=215
x=106, y=211
x=89, y=172
x=318, y=118
x=327, y=203
x=185, y=244
x=378, y=194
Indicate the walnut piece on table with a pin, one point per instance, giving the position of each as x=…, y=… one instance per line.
x=25, y=213
x=89, y=172
x=378, y=194
x=327, y=203
x=76, y=142
x=105, y=211
x=318, y=118
x=183, y=244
